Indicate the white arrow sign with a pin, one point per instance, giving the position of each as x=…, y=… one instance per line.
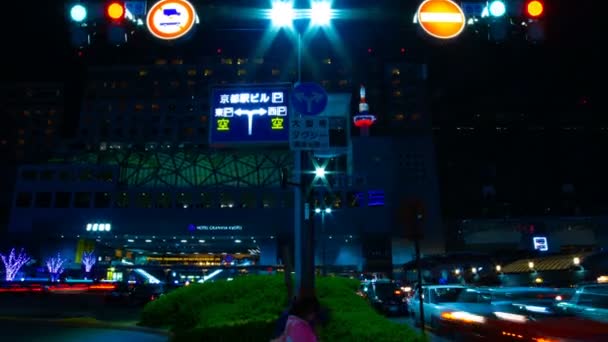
x=250, y=114
x=314, y=97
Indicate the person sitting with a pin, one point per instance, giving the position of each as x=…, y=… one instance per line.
x=299, y=327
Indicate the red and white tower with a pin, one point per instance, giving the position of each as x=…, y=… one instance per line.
x=364, y=119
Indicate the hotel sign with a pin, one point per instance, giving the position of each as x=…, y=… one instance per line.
x=215, y=228
x=250, y=114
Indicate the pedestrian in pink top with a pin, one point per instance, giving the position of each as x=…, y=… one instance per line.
x=298, y=327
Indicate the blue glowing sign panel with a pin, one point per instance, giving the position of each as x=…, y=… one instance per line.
x=540, y=243
x=250, y=114
x=309, y=98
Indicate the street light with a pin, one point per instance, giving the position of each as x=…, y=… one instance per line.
x=282, y=13
x=320, y=172
x=320, y=14
x=326, y=211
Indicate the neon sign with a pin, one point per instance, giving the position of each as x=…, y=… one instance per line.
x=252, y=114
x=540, y=243
x=171, y=19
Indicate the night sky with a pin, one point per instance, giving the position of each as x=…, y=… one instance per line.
x=553, y=76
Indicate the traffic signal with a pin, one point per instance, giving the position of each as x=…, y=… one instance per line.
x=116, y=11
x=78, y=13
x=534, y=9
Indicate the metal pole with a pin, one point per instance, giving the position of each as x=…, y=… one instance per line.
x=420, y=295
x=323, y=244
x=299, y=57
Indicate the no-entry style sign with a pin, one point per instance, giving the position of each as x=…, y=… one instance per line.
x=171, y=19
x=442, y=19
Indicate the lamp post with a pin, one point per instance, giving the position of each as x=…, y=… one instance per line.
x=323, y=212
x=283, y=15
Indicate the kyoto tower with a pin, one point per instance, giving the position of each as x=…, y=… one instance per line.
x=364, y=119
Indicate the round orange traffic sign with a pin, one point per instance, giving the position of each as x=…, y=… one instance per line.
x=442, y=19
x=171, y=19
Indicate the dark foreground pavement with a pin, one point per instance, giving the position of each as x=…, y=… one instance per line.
x=34, y=331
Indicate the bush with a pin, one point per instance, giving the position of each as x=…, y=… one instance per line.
x=246, y=309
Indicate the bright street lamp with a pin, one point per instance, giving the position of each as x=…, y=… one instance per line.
x=282, y=13
x=328, y=210
x=318, y=210
x=320, y=14
x=320, y=172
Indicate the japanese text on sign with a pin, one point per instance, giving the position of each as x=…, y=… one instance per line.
x=253, y=115
x=309, y=133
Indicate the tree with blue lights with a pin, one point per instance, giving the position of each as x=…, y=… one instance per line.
x=88, y=260
x=13, y=263
x=55, y=267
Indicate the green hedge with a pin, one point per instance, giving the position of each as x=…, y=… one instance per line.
x=247, y=308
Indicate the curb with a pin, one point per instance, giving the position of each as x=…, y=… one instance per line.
x=87, y=322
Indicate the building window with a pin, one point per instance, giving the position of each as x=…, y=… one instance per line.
x=155, y=107
x=325, y=83
x=86, y=175
x=163, y=200
x=49, y=122
x=102, y=200
x=399, y=117
x=192, y=72
x=63, y=199
x=259, y=60
x=122, y=201
x=21, y=142
x=226, y=61
x=269, y=200
x=174, y=84
x=343, y=83
x=397, y=93
x=44, y=199
x=241, y=72
x=139, y=107
x=29, y=175
x=160, y=61
x=248, y=200
x=65, y=176
x=286, y=200
x=395, y=72
x=23, y=200
x=326, y=61
x=276, y=72
x=183, y=200
x=143, y=72
x=143, y=200
x=240, y=61
x=82, y=200
x=353, y=199
x=47, y=175
x=205, y=200
x=208, y=72
x=375, y=198
x=226, y=200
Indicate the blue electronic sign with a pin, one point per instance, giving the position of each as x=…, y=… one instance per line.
x=250, y=114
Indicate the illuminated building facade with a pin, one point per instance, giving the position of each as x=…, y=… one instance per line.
x=146, y=167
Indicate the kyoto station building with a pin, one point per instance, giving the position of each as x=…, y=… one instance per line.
x=209, y=159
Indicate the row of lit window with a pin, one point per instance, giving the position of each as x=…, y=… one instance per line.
x=187, y=200
x=49, y=112
x=83, y=175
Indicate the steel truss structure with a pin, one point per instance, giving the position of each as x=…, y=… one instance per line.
x=185, y=169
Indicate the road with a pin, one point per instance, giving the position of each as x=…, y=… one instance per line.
x=44, y=332
x=407, y=320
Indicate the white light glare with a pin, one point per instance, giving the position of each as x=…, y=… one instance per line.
x=511, y=317
x=78, y=13
x=282, y=13
x=497, y=8
x=89, y=227
x=95, y=227
x=320, y=13
x=317, y=210
x=328, y=210
x=320, y=172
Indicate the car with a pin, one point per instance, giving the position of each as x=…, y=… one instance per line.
x=435, y=298
x=385, y=296
x=588, y=301
x=134, y=294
